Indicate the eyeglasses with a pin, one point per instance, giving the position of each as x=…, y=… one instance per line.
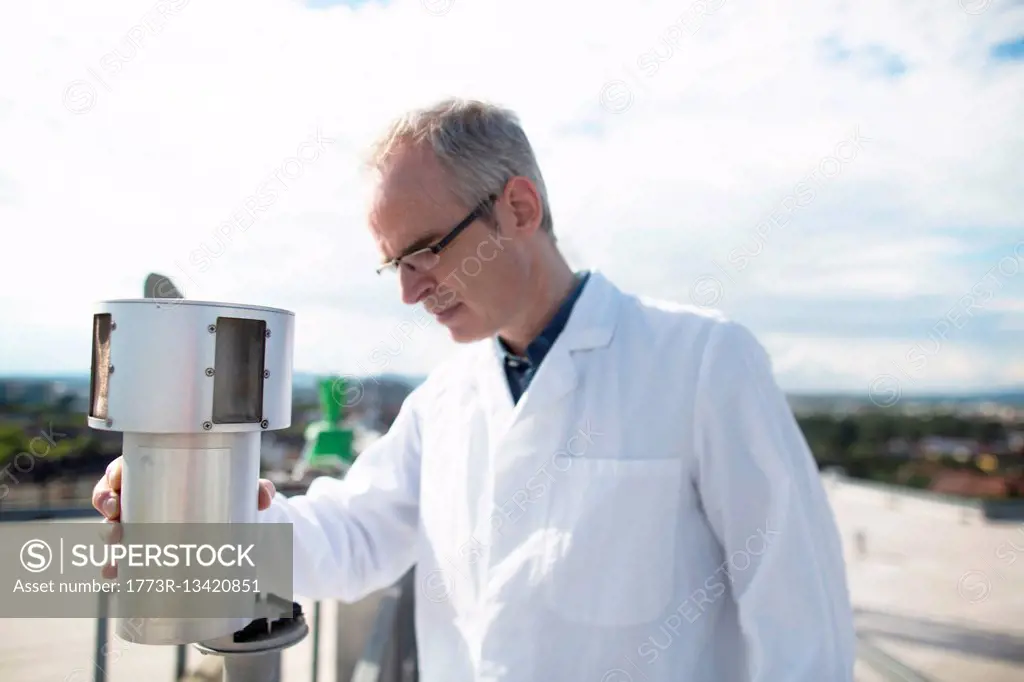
x=428, y=257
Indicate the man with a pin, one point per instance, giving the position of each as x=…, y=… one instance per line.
x=597, y=487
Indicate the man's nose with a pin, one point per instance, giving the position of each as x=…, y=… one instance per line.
x=415, y=285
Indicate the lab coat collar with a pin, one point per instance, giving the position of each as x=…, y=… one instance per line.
x=591, y=325
x=592, y=321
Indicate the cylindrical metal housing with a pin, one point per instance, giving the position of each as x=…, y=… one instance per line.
x=192, y=385
x=177, y=366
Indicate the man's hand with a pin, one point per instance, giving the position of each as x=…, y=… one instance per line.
x=106, y=495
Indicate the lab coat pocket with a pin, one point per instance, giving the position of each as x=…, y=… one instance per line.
x=612, y=526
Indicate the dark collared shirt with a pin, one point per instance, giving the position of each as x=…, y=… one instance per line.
x=519, y=370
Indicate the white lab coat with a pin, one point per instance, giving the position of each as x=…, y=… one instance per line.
x=648, y=512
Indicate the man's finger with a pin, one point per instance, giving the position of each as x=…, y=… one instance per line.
x=114, y=475
x=106, y=502
x=100, y=492
x=266, y=494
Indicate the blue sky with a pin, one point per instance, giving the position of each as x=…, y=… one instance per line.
x=845, y=178
x=1009, y=50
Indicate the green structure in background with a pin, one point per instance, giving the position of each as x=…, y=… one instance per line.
x=328, y=442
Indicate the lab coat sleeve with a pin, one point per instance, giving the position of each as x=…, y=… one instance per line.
x=763, y=497
x=355, y=535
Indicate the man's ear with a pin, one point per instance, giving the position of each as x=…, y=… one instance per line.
x=524, y=205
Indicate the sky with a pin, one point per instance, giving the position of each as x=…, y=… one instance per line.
x=844, y=178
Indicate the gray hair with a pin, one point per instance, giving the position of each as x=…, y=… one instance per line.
x=481, y=146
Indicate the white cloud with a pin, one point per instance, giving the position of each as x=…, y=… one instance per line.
x=181, y=121
x=808, y=363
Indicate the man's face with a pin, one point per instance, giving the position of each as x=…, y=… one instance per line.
x=471, y=287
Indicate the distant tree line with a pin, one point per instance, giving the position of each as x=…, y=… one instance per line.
x=869, y=434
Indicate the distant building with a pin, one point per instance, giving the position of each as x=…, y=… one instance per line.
x=971, y=484
x=899, y=447
x=941, y=446
x=273, y=453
